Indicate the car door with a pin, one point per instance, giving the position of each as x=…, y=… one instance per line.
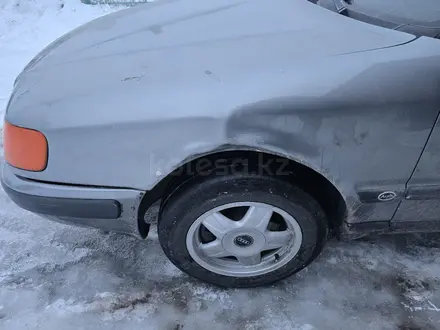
x=420, y=207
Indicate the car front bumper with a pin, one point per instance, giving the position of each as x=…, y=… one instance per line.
x=110, y=209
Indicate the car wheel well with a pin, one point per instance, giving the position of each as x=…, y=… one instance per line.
x=312, y=182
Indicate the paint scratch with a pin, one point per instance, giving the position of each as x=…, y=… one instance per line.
x=212, y=75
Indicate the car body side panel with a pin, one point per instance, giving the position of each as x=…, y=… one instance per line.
x=362, y=125
x=422, y=199
x=358, y=115
x=366, y=135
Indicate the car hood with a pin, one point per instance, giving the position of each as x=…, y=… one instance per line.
x=174, y=43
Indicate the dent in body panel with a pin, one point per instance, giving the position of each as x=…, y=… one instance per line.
x=340, y=115
x=365, y=135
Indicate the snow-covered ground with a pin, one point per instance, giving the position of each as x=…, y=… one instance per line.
x=54, y=276
x=27, y=26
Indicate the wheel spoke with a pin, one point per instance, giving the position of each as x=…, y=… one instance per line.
x=257, y=217
x=277, y=239
x=218, y=224
x=214, y=249
x=250, y=260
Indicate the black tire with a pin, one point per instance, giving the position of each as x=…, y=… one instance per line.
x=205, y=192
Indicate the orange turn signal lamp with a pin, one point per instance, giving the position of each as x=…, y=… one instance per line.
x=25, y=148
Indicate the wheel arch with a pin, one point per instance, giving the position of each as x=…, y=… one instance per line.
x=329, y=196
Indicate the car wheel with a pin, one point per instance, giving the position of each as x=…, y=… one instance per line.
x=241, y=230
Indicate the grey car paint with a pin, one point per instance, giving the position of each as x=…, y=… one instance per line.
x=133, y=95
x=422, y=200
x=128, y=198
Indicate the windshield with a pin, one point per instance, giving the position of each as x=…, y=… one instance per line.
x=420, y=17
x=423, y=12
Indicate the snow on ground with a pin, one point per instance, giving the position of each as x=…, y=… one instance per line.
x=53, y=276
x=27, y=26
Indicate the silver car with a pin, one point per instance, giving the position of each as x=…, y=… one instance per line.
x=253, y=130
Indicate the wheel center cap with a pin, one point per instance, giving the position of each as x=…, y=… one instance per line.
x=243, y=240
